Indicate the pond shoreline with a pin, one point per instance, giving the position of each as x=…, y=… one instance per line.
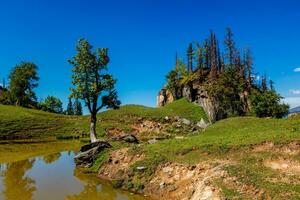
x=47, y=171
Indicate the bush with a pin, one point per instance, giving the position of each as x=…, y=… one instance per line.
x=268, y=104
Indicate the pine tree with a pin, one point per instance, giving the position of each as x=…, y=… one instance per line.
x=222, y=64
x=219, y=59
x=272, y=85
x=199, y=56
x=77, y=107
x=213, y=55
x=176, y=60
x=70, y=110
x=3, y=85
x=207, y=54
x=230, y=46
x=248, y=64
x=190, y=58
x=264, y=83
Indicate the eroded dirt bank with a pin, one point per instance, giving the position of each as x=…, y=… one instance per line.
x=210, y=179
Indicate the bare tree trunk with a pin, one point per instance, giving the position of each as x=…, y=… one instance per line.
x=93, y=128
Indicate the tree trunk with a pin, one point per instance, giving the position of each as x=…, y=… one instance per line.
x=93, y=128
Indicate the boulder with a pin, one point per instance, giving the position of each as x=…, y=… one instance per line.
x=130, y=138
x=89, y=152
x=186, y=121
x=202, y=124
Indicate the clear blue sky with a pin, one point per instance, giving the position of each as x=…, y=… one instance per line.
x=143, y=36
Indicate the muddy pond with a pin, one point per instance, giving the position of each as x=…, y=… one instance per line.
x=44, y=171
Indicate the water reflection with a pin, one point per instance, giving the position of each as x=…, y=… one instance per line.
x=16, y=184
x=54, y=177
x=92, y=188
x=48, y=159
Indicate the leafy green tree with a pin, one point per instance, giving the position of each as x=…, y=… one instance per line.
x=70, y=110
x=77, y=107
x=91, y=82
x=52, y=104
x=23, y=79
x=268, y=104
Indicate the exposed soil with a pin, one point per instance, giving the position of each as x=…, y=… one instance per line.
x=145, y=129
x=292, y=148
x=142, y=129
x=198, y=182
x=118, y=164
x=177, y=181
x=283, y=165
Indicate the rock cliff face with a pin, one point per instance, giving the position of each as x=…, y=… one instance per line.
x=194, y=93
x=164, y=96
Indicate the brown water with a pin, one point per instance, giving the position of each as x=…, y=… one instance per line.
x=54, y=177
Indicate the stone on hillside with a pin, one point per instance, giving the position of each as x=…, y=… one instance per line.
x=186, y=121
x=202, y=124
x=152, y=141
x=130, y=138
x=167, y=170
x=141, y=168
x=89, y=152
x=162, y=185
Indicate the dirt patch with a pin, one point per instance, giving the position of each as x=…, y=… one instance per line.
x=142, y=129
x=246, y=190
x=147, y=126
x=266, y=146
x=118, y=164
x=177, y=181
x=113, y=132
x=284, y=165
x=292, y=148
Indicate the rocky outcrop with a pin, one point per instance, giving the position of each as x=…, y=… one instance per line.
x=164, y=96
x=197, y=94
x=209, y=105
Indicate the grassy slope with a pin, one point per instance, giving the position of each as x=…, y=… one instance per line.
x=233, y=133
x=181, y=108
x=233, y=139
x=20, y=123
x=227, y=139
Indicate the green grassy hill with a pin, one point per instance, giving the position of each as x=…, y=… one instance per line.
x=230, y=141
x=232, y=133
x=22, y=123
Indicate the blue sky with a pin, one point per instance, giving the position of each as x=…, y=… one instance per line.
x=143, y=36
